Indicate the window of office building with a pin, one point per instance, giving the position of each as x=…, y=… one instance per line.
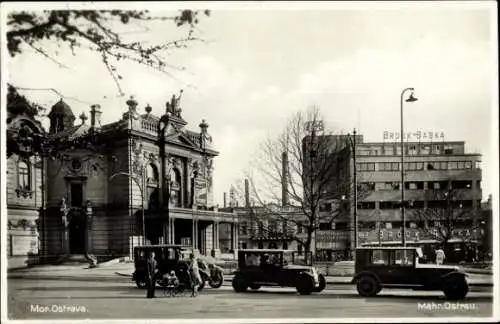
x=437, y=165
x=417, y=185
x=366, y=186
x=416, y=204
x=388, y=150
x=366, y=166
x=389, y=205
x=388, y=225
x=425, y=149
x=438, y=185
x=412, y=150
x=461, y=184
x=388, y=166
x=366, y=205
x=414, y=166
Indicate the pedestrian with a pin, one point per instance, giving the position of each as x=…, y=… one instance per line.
x=440, y=256
x=151, y=282
x=194, y=274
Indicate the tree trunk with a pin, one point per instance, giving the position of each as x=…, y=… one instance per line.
x=307, y=244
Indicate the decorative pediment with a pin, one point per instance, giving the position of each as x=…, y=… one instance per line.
x=181, y=138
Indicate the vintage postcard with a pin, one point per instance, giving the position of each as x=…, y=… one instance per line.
x=249, y=162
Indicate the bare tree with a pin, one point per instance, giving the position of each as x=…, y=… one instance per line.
x=447, y=212
x=306, y=169
x=99, y=31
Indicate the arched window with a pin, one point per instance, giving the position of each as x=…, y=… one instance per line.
x=153, y=183
x=152, y=173
x=175, y=188
x=24, y=175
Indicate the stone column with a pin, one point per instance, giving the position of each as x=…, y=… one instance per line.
x=166, y=232
x=214, y=238
x=196, y=242
x=172, y=231
x=234, y=236
x=187, y=183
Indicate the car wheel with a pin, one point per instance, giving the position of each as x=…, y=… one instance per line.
x=254, y=287
x=305, y=285
x=217, y=280
x=239, y=284
x=322, y=283
x=368, y=287
x=141, y=283
x=455, y=288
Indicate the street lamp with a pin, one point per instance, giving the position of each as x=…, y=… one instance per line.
x=411, y=98
x=352, y=142
x=141, y=184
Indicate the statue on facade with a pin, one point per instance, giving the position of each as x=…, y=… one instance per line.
x=173, y=107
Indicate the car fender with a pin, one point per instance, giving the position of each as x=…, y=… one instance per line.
x=454, y=274
x=362, y=274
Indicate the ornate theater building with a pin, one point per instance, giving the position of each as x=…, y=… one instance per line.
x=95, y=191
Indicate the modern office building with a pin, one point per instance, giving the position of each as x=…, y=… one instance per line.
x=99, y=190
x=442, y=185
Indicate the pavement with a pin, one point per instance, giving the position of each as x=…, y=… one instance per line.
x=69, y=299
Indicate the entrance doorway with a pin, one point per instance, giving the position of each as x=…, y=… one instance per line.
x=77, y=233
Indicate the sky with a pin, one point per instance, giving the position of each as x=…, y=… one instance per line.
x=262, y=63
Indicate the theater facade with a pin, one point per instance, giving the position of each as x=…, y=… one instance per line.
x=83, y=189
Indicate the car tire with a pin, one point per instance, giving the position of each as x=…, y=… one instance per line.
x=305, y=285
x=455, y=288
x=254, y=287
x=368, y=286
x=141, y=283
x=322, y=283
x=239, y=283
x=217, y=281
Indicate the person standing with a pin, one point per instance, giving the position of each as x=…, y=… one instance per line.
x=440, y=256
x=194, y=274
x=151, y=275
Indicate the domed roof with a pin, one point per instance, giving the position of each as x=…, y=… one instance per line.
x=61, y=108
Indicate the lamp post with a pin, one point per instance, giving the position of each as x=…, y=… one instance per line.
x=141, y=184
x=63, y=208
x=352, y=142
x=403, y=218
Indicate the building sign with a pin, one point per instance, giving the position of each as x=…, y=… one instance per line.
x=200, y=192
x=317, y=126
x=418, y=135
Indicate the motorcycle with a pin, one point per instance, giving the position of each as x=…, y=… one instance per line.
x=211, y=273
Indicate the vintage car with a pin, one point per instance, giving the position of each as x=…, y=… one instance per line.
x=168, y=257
x=399, y=267
x=281, y=268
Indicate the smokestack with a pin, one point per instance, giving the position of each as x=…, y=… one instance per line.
x=225, y=199
x=247, y=194
x=284, y=180
x=95, y=116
